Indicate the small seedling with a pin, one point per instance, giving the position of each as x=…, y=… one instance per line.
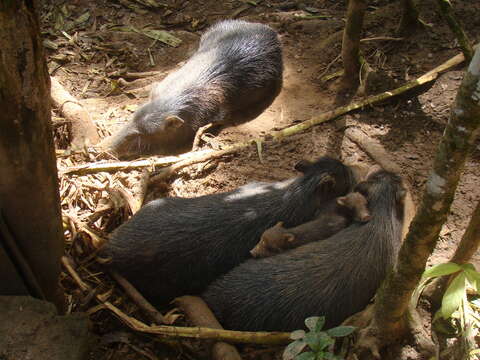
x=459, y=313
x=320, y=343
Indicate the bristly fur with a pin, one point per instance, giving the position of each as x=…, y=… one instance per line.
x=235, y=74
x=177, y=246
x=335, y=278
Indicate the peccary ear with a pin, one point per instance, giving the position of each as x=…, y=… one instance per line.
x=173, y=122
x=341, y=200
x=289, y=237
x=303, y=166
x=326, y=184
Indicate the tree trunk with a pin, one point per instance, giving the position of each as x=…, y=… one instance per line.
x=464, y=42
x=470, y=240
x=351, y=42
x=409, y=21
x=29, y=198
x=391, y=306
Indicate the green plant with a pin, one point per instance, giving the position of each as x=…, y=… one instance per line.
x=320, y=343
x=459, y=315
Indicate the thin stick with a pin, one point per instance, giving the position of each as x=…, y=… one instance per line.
x=382, y=38
x=69, y=267
x=138, y=298
x=264, y=338
x=198, y=136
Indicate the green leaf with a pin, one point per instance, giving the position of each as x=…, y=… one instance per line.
x=315, y=323
x=326, y=341
x=306, y=356
x=297, y=334
x=341, y=331
x=468, y=266
x=313, y=340
x=473, y=277
x=453, y=296
x=441, y=270
x=293, y=349
x=434, y=271
x=161, y=35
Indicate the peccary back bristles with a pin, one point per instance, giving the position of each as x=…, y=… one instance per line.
x=177, y=246
x=336, y=277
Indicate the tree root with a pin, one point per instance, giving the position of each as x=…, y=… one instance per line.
x=200, y=315
x=198, y=136
x=138, y=298
x=84, y=131
x=373, y=148
x=370, y=339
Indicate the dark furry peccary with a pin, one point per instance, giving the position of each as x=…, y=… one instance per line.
x=235, y=74
x=177, y=246
x=335, y=278
x=335, y=216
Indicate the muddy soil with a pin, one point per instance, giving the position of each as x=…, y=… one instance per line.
x=409, y=126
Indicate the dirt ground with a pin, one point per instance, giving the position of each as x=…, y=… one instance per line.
x=409, y=126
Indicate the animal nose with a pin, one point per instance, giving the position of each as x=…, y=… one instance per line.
x=365, y=218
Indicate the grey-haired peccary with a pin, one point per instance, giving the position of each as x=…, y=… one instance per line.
x=335, y=216
x=235, y=74
x=335, y=278
x=177, y=246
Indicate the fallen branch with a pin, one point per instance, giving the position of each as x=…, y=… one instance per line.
x=262, y=338
x=138, y=298
x=84, y=131
x=176, y=163
x=200, y=315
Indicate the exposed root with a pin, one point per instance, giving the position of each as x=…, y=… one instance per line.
x=421, y=338
x=198, y=136
x=371, y=339
x=138, y=298
x=200, y=315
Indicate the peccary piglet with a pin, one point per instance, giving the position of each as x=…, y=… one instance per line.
x=177, y=246
x=335, y=216
x=335, y=278
x=235, y=74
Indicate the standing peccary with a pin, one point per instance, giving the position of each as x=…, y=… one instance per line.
x=177, y=246
x=335, y=216
x=235, y=74
x=335, y=278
